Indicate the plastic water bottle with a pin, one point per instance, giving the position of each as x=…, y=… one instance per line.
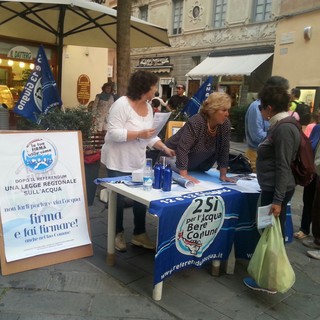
x=163, y=162
x=167, y=178
x=147, y=175
x=157, y=176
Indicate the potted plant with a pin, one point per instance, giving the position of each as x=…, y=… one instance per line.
x=237, y=119
x=79, y=119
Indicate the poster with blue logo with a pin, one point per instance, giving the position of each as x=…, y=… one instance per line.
x=42, y=202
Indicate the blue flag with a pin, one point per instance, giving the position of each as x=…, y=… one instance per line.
x=40, y=92
x=192, y=107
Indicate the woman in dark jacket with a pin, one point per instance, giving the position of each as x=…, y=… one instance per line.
x=275, y=155
x=204, y=139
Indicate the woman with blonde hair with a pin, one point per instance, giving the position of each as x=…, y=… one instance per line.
x=204, y=139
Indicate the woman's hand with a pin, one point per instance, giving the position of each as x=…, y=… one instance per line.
x=169, y=152
x=275, y=210
x=184, y=174
x=159, y=145
x=146, y=134
x=224, y=178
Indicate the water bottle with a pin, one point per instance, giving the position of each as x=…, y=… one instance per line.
x=163, y=162
x=147, y=175
x=167, y=178
x=157, y=176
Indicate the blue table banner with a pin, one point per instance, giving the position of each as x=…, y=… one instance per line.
x=196, y=228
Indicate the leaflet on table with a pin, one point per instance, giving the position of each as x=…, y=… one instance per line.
x=236, y=178
x=264, y=218
x=159, y=120
x=244, y=176
x=120, y=179
x=246, y=183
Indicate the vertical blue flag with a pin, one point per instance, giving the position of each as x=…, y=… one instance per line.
x=192, y=107
x=40, y=92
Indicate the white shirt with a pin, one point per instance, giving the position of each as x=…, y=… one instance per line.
x=117, y=153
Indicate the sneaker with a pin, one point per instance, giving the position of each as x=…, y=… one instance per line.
x=314, y=254
x=300, y=235
x=142, y=240
x=311, y=243
x=250, y=283
x=120, y=242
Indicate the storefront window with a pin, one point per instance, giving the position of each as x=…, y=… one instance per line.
x=16, y=64
x=14, y=74
x=308, y=96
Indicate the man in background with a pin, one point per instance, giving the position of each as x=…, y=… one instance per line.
x=294, y=97
x=255, y=126
x=161, y=102
x=177, y=102
x=300, y=108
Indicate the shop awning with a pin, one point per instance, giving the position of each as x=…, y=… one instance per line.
x=229, y=65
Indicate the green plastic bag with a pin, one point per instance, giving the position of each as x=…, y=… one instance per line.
x=269, y=265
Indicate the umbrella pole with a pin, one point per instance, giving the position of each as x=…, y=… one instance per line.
x=60, y=53
x=60, y=45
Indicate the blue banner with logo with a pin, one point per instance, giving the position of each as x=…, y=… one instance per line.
x=40, y=93
x=199, y=227
x=192, y=107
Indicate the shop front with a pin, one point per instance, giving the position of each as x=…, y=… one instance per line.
x=16, y=64
x=238, y=72
x=310, y=96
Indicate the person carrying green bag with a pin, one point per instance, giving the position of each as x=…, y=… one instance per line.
x=274, y=173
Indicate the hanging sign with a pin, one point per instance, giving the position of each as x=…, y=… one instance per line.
x=20, y=52
x=83, y=89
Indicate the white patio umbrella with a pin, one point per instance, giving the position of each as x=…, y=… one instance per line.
x=73, y=22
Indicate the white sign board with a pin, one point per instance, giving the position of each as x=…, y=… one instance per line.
x=42, y=204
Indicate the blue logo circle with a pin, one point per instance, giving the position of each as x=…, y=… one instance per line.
x=39, y=155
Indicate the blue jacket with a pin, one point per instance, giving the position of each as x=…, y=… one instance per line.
x=315, y=136
x=255, y=126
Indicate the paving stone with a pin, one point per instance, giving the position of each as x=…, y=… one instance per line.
x=58, y=303
x=85, y=282
x=33, y=279
x=128, y=307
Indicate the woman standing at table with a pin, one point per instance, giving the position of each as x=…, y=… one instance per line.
x=275, y=155
x=129, y=133
x=204, y=139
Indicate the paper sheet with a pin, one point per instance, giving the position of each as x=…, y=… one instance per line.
x=159, y=120
x=264, y=219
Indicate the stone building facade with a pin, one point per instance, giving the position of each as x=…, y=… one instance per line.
x=199, y=28
x=296, y=54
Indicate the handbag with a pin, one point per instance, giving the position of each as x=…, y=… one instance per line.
x=269, y=265
x=239, y=164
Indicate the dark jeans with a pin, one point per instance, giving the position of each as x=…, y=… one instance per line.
x=267, y=197
x=316, y=211
x=139, y=209
x=308, y=197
